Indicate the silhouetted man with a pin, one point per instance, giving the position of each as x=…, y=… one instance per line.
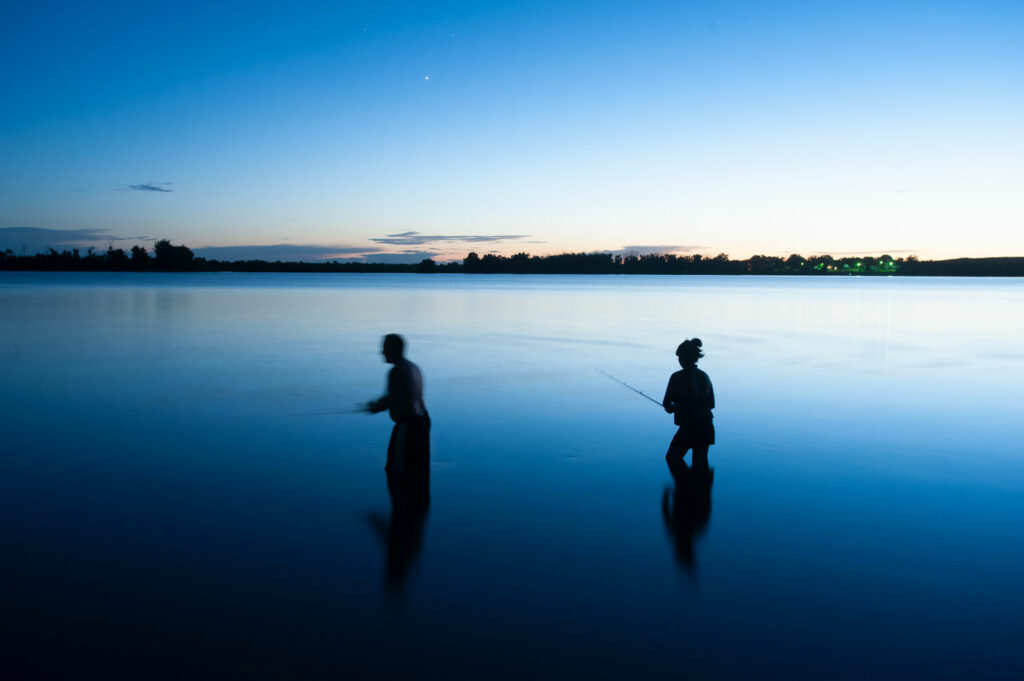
x=409, y=448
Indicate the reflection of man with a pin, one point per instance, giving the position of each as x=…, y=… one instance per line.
x=402, y=534
x=409, y=449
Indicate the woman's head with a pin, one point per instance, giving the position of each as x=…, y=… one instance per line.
x=689, y=352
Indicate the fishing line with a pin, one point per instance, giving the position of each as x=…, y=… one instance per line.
x=639, y=392
x=331, y=413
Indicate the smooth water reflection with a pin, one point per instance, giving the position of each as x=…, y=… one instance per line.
x=183, y=495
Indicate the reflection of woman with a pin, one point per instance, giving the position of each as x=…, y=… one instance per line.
x=690, y=397
x=686, y=509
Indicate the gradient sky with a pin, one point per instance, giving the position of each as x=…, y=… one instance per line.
x=353, y=128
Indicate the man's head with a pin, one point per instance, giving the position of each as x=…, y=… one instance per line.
x=393, y=348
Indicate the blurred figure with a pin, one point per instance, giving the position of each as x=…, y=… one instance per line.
x=409, y=448
x=690, y=398
x=408, y=461
x=686, y=510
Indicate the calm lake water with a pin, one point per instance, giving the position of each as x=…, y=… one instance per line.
x=184, y=495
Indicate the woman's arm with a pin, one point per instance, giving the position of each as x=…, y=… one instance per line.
x=667, y=402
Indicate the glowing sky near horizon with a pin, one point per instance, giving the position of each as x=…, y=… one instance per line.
x=433, y=128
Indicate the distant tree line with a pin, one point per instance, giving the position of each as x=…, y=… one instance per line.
x=607, y=263
x=167, y=257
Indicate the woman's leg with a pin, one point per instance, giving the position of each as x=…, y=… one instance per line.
x=678, y=447
x=700, y=457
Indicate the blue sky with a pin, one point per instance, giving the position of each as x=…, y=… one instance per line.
x=407, y=130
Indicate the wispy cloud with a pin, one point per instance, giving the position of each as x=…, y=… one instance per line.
x=654, y=250
x=404, y=258
x=163, y=187
x=888, y=252
x=35, y=239
x=417, y=239
x=284, y=252
x=312, y=253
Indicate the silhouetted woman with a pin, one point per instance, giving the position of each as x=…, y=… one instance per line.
x=690, y=397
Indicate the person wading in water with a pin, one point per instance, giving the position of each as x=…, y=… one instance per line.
x=409, y=448
x=690, y=398
x=408, y=462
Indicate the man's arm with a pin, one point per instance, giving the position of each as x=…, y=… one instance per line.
x=382, y=403
x=377, y=406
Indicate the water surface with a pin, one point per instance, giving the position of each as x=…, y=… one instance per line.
x=183, y=494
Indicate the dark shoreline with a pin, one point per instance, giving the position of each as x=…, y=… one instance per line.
x=169, y=258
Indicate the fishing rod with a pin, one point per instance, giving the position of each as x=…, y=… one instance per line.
x=638, y=392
